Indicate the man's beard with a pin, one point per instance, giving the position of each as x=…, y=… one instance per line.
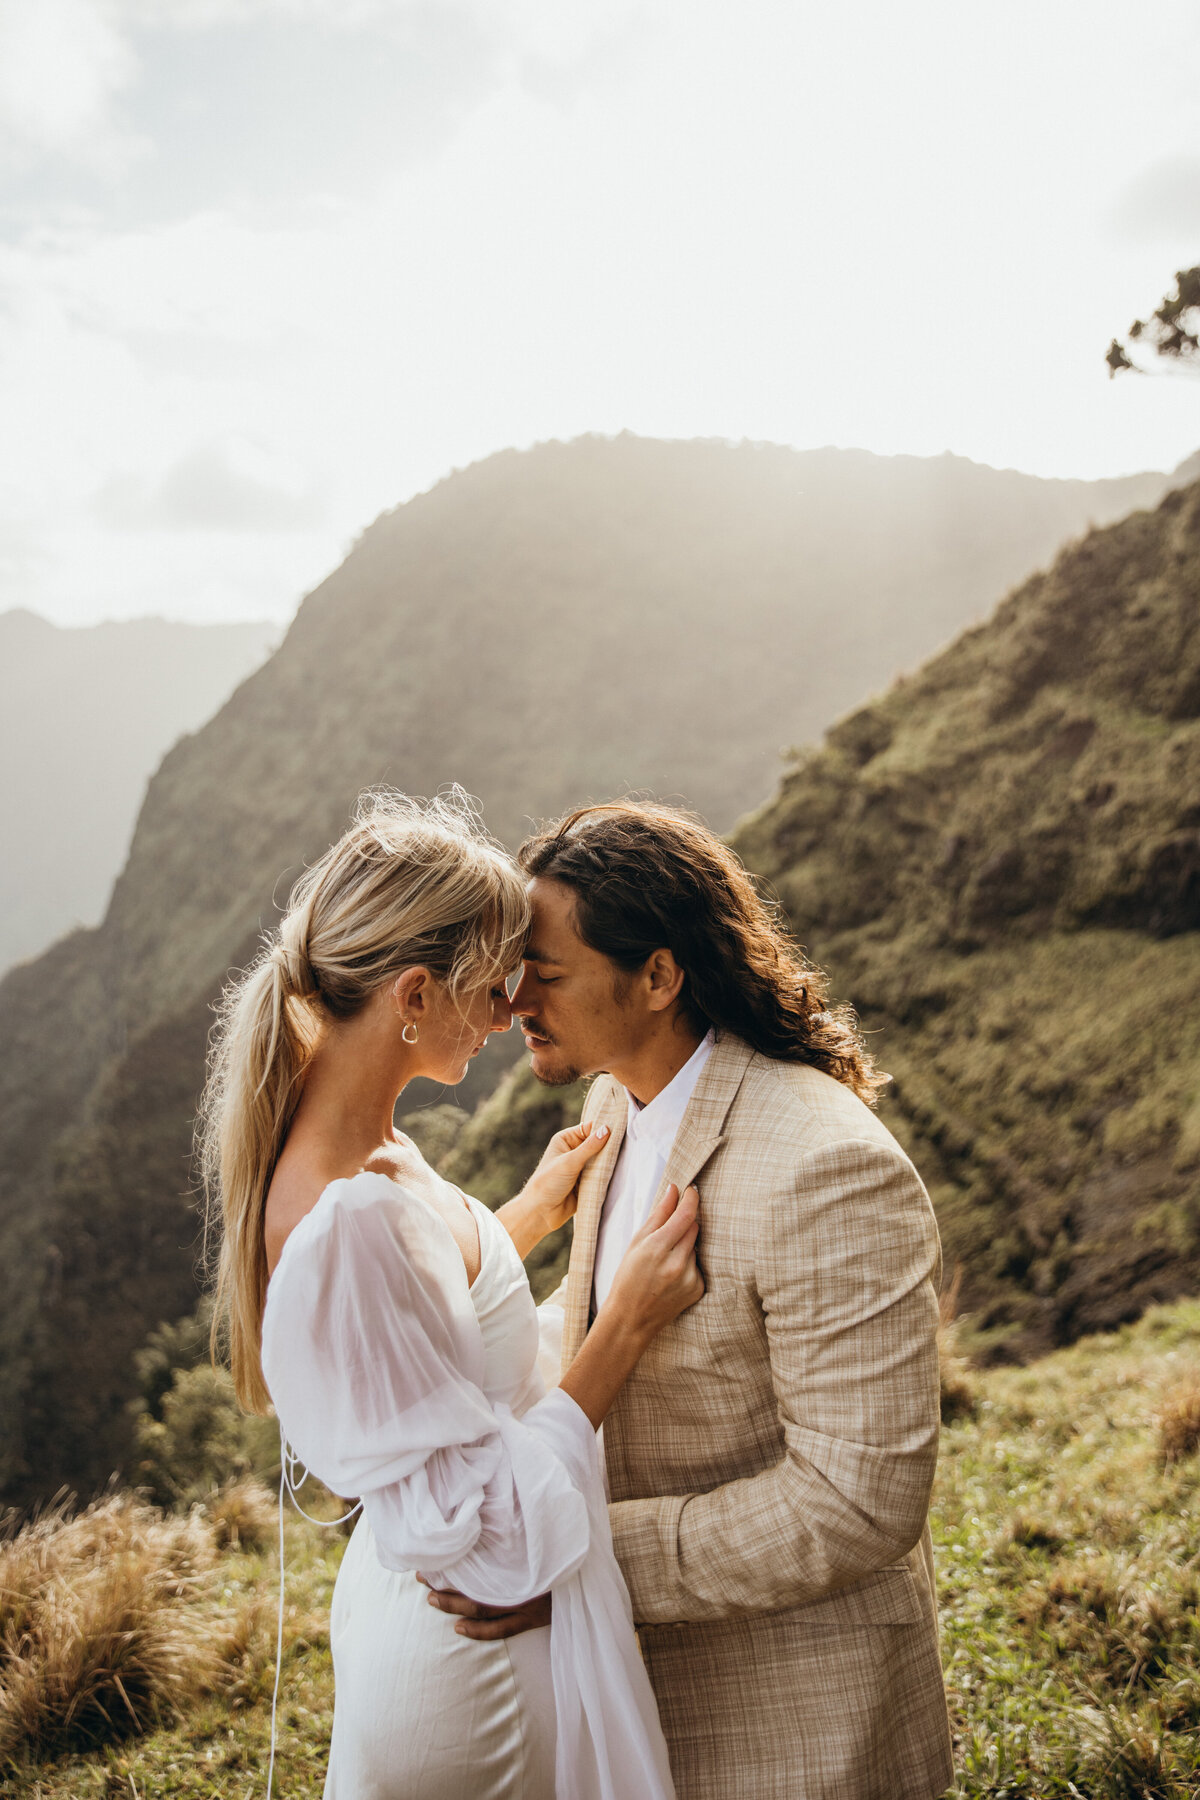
x=564, y=1076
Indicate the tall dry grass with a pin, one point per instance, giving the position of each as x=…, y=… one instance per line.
x=103, y=1626
x=1179, y=1421
x=958, y=1394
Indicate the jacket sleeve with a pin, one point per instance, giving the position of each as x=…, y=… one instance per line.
x=847, y=1263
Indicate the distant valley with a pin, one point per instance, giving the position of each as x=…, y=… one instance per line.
x=85, y=716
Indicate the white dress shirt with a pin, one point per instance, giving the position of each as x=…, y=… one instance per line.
x=649, y=1134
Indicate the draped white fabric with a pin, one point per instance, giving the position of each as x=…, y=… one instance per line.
x=375, y=1361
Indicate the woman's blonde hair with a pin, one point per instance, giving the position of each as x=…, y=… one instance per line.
x=413, y=883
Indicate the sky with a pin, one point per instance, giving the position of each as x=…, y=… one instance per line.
x=268, y=267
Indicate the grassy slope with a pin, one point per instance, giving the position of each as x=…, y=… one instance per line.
x=1000, y=862
x=1067, y=1561
x=468, y=633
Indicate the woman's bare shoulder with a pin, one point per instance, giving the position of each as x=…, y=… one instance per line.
x=297, y=1185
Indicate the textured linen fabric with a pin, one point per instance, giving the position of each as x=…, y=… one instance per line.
x=770, y=1459
x=377, y=1360
x=649, y=1133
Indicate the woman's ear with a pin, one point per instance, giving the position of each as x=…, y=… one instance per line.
x=410, y=993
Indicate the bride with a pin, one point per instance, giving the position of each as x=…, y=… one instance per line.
x=388, y=1319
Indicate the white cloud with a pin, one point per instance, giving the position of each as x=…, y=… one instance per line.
x=1161, y=205
x=808, y=225
x=62, y=65
x=238, y=485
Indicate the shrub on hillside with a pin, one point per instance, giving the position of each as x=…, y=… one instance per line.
x=100, y=1635
x=201, y=1440
x=435, y=1130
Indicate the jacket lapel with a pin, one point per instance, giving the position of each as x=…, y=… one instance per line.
x=698, y=1136
x=593, y=1186
x=700, y=1129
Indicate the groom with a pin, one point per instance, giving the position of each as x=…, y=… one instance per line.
x=770, y=1460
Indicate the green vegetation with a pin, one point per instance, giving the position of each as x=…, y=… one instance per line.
x=1000, y=861
x=1068, y=1531
x=1067, y=1526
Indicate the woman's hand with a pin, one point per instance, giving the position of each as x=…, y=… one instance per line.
x=551, y=1194
x=658, y=1278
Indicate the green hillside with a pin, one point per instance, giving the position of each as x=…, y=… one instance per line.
x=544, y=627
x=1000, y=861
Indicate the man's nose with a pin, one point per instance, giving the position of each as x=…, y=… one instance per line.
x=520, y=1002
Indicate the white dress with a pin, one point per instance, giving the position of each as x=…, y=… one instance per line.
x=396, y=1381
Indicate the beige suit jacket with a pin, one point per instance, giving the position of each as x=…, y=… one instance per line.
x=770, y=1460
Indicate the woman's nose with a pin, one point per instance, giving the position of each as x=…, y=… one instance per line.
x=502, y=1015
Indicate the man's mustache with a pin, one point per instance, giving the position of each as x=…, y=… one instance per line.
x=536, y=1030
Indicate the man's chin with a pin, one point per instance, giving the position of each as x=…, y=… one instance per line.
x=552, y=1070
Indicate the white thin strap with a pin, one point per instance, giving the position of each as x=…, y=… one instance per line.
x=289, y=1463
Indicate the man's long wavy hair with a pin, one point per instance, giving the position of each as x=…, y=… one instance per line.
x=649, y=877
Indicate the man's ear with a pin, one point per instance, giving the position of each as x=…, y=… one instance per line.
x=665, y=978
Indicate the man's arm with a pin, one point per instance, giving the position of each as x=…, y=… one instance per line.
x=847, y=1263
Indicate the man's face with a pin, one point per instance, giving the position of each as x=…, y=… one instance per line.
x=576, y=1011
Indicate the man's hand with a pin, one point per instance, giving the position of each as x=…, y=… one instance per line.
x=487, y=1623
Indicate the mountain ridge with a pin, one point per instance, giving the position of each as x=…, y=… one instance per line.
x=548, y=626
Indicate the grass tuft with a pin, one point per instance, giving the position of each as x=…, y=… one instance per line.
x=959, y=1396
x=243, y=1516
x=1179, y=1421
x=102, y=1627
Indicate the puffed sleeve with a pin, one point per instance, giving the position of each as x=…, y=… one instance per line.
x=373, y=1357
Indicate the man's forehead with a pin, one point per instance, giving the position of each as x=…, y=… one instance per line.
x=553, y=927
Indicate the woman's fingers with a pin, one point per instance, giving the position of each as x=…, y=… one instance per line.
x=582, y=1153
x=682, y=1217
x=578, y=1142
x=672, y=1215
x=659, y=1214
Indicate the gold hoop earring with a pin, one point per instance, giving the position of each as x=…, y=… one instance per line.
x=404, y=1034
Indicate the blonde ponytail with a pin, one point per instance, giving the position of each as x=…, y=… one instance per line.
x=411, y=883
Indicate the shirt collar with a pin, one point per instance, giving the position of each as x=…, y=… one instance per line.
x=657, y=1122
